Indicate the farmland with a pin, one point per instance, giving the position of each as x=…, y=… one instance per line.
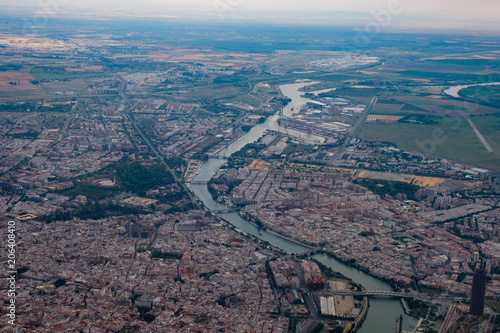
x=450, y=138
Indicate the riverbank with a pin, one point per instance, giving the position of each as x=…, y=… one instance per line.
x=259, y=241
x=380, y=309
x=455, y=91
x=287, y=238
x=358, y=322
x=394, y=285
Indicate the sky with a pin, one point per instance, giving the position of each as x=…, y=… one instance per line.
x=452, y=12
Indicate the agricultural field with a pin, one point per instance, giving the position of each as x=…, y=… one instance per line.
x=421, y=117
x=14, y=78
x=485, y=94
x=404, y=105
x=208, y=58
x=446, y=70
x=69, y=75
x=451, y=138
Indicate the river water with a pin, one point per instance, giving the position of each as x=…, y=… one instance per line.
x=382, y=313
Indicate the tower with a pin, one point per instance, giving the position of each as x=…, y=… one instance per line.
x=478, y=292
x=399, y=324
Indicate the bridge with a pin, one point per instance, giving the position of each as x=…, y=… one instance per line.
x=198, y=183
x=308, y=253
x=373, y=294
x=227, y=210
x=394, y=294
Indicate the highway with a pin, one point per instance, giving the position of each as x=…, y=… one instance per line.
x=448, y=319
x=354, y=129
x=363, y=116
x=315, y=318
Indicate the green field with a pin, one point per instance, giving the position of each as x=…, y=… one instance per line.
x=327, y=77
x=467, y=62
x=296, y=147
x=90, y=191
x=453, y=107
x=451, y=138
x=486, y=94
x=56, y=76
x=489, y=126
x=253, y=100
x=352, y=92
x=406, y=109
x=217, y=91
x=451, y=76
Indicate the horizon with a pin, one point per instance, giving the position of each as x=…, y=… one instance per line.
x=392, y=15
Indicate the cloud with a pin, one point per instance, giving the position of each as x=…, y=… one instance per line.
x=431, y=8
x=462, y=8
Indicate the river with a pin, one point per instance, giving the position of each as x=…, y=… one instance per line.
x=383, y=313
x=453, y=91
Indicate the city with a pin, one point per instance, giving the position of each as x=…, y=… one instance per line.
x=170, y=176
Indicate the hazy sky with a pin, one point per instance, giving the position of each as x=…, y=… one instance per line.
x=458, y=9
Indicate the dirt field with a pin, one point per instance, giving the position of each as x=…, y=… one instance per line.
x=417, y=180
x=56, y=103
x=6, y=77
x=259, y=164
x=84, y=69
x=421, y=80
x=374, y=117
x=423, y=181
x=93, y=68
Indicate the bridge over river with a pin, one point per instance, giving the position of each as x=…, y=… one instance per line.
x=372, y=294
x=197, y=183
x=220, y=211
x=394, y=294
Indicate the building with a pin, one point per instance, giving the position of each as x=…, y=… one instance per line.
x=316, y=104
x=478, y=292
x=145, y=301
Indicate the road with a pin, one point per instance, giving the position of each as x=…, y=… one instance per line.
x=64, y=130
x=128, y=113
x=448, y=319
x=314, y=318
x=480, y=136
x=354, y=129
x=363, y=116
